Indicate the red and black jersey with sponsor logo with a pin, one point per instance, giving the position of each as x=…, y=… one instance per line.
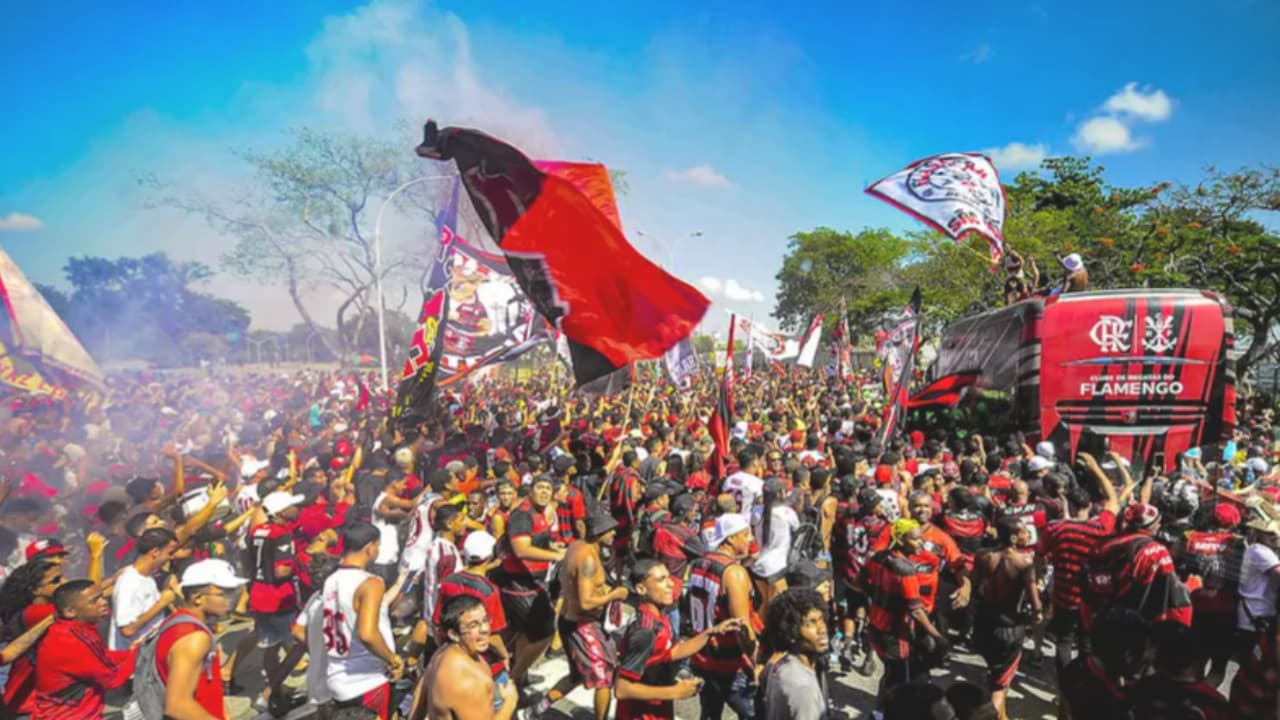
x=706, y=603
x=644, y=656
x=1068, y=543
x=527, y=521
x=1136, y=572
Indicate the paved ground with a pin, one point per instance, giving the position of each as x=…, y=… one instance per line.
x=1033, y=696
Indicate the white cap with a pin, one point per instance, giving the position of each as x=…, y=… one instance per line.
x=1073, y=262
x=1044, y=449
x=478, y=546
x=404, y=456
x=277, y=502
x=211, y=572
x=250, y=467
x=1038, y=463
x=727, y=526
x=1257, y=464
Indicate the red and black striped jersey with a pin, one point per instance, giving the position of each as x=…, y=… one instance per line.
x=1067, y=544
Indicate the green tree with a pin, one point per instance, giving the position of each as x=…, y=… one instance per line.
x=1210, y=236
x=824, y=265
x=703, y=343
x=144, y=307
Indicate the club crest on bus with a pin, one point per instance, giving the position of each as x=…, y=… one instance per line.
x=1112, y=334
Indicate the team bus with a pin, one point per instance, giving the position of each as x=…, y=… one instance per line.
x=1148, y=372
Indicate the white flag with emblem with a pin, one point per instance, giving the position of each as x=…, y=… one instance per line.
x=955, y=193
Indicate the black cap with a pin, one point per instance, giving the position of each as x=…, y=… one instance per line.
x=598, y=523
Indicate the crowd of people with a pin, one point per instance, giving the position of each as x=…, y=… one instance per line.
x=427, y=570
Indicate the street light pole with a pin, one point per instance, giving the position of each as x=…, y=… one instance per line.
x=377, y=269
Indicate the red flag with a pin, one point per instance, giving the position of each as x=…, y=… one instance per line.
x=568, y=253
x=718, y=425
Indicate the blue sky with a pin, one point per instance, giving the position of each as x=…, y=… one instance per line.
x=745, y=121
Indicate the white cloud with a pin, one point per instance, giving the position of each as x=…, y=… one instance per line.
x=1112, y=131
x=1017, y=156
x=737, y=293
x=391, y=59
x=978, y=55
x=703, y=175
x=1149, y=104
x=1105, y=135
x=730, y=289
x=19, y=222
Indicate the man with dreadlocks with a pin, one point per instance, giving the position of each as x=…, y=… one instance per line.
x=897, y=614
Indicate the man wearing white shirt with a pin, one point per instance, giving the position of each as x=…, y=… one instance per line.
x=137, y=603
x=745, y=485
x=1259, y=582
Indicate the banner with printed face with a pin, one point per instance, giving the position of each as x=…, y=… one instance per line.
x=954, y=193
x=490, y=318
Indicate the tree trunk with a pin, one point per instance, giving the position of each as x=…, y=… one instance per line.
x=298, y=305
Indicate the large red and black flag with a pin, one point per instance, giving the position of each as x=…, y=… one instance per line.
x=569, y=255
x=897, y=352
x=418, y=379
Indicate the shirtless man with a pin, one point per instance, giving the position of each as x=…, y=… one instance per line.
x=457, y=683
x=1007, y=578
x=592, y=656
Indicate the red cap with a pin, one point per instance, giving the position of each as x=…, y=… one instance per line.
x=44, y=547
x=1226, y=515
x=917, y=439
x=884, y=474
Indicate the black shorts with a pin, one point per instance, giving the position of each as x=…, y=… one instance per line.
x=1064, y=623
x=529, y=613
x=1001, y=648
x=851, y=598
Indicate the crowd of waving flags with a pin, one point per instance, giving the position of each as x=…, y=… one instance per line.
x=567, y=273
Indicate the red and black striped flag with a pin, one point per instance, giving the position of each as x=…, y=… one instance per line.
x=722, y=416
x=569, y=255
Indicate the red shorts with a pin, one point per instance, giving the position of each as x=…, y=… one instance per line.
x=377, y=701
x=592, y=657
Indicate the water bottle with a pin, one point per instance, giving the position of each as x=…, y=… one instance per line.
x=837, y=646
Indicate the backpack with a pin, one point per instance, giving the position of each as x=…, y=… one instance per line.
x=646, y=529
x=690, y=542
x=147, y=700
x=1104, y=583
x=806, y=544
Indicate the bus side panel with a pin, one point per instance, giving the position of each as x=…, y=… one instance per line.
x=1145, y=370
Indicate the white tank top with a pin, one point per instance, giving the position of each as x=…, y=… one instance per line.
x=420, y=535
x=352, y=669
x=389, y=550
